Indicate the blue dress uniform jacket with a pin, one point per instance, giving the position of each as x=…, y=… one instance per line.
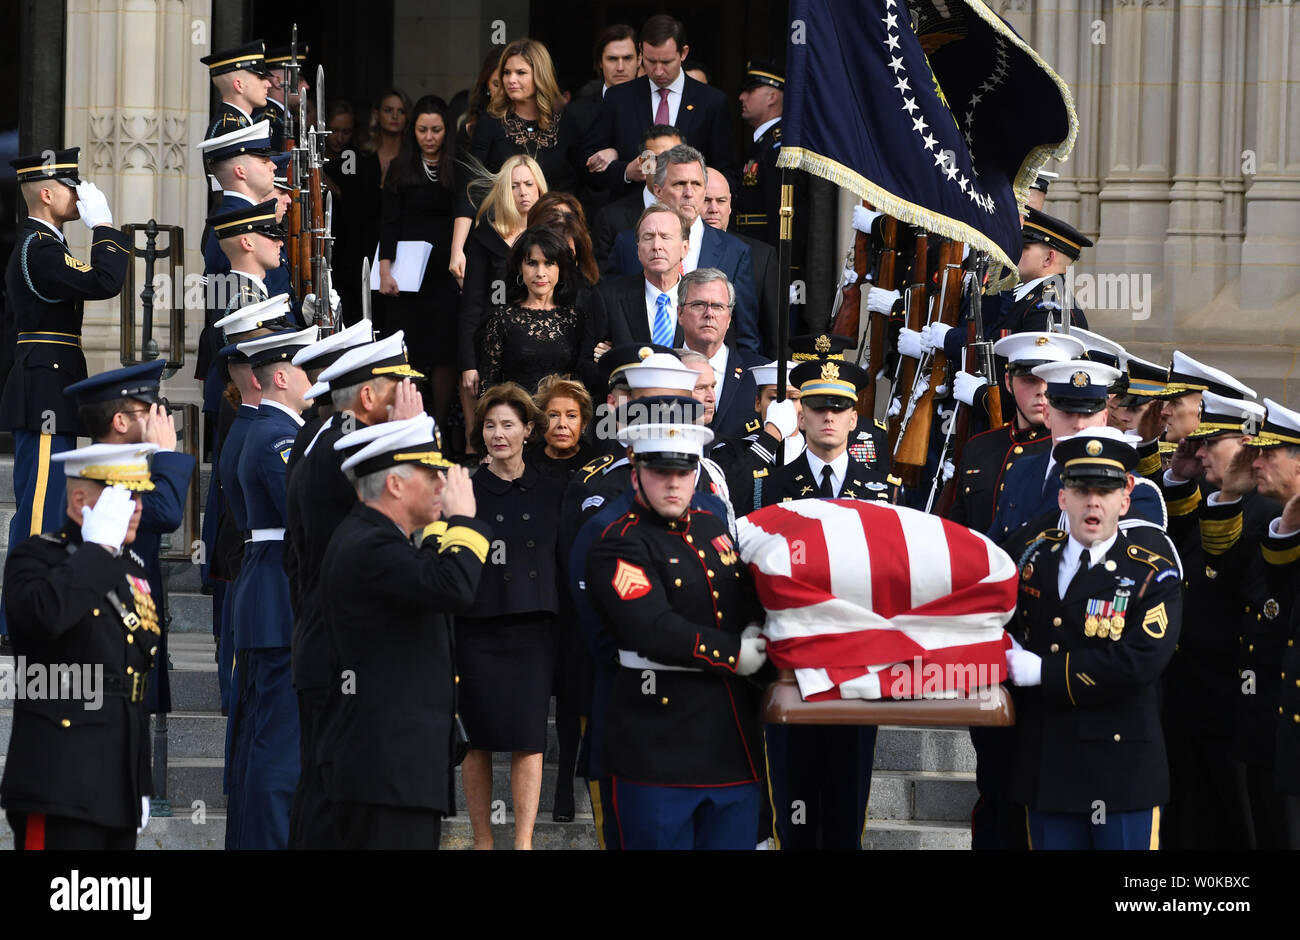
x=162, y=512
x=985, y=462
x=388, y=608
x=1027, y=491
x=66, y=759
x=1038, y=310
x=45, y=287
x=1091, y=730
x=263, y=612
x=677, y=594
x=229, y=118
x=796, y=481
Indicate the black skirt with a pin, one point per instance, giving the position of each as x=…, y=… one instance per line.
x=505, y=666
x=429, y=319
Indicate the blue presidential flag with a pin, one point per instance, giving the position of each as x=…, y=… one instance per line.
x=934, y=111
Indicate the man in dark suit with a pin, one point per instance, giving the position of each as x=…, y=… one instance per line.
x=642, y=306
x=615, y=59
x=705, y=299
x=767, y=275
x=622, y=213
x=664, y=95
x=679, y=183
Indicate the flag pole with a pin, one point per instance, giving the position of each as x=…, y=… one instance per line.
x=784, y=258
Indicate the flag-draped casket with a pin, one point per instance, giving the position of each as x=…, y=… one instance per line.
x=868, y=600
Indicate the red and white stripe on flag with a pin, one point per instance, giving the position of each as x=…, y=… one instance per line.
x=869, y=600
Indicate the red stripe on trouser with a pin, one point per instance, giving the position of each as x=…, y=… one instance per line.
x=34, y=836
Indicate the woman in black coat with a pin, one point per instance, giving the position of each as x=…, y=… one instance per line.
x=417, y=206
x=504, y=648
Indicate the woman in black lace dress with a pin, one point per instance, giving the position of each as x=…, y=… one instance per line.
x=539, y=330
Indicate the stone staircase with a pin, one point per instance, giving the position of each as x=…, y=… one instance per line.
x=921, y=795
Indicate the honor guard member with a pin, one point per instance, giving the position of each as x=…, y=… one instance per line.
x=369, y=384
x=266, y=735
x=1050, y=247
x=389, y=606
x=1201, y=686
x=1076, y=400
x=45, y=288
x=1038, y=189
x=988, y=456
x=124, y=407
x=314, y=360
x=869, y=443
x=277, y=63
x=682, y=744
x=819, y=778
x=1137, y=408
x=827, y=393
x=774, y=423
x=1097, y=621
x=77, y=772
x=241, y=78
x=1265, y=563
x=758, y=198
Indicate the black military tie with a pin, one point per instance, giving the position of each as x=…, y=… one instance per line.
x=828, y=488
x=1085, y=562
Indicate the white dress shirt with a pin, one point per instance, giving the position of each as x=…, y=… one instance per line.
x=674, y=97
x=692, y=259
x=1070, y=556
x=286, y=409
x=652, y=303
x=57, y=233
x=762, y=128
x=839, y=467
x=1026, y=287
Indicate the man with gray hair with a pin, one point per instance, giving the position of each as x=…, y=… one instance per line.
x=680, y=175
x=705, y=300
x=388, y=608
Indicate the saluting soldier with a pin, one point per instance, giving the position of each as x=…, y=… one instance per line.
x=77, y=772
x=124, y=407
x=45, y=288
x=820, y=777
x=682, y=743
x=1097, y=621
x=265, y=740
x=243, y=81
x=1207, y=809
x=369, y=384
x=388, y=612
x=988, y=456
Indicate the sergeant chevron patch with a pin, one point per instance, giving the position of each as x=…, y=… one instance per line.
x=1158, y=619
x=630, y=581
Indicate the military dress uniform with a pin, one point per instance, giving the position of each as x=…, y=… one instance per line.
x=163, y=506
x=265, y=756
x=1036, y=306
x=76, y=775
x=45, y=289
x=250, y=57
x=683, y=753
x=389, y=741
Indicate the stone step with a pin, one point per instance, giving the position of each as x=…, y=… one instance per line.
x=932, y=795
x=894, y=835
x=920, y=748
x=190, y=612
x=579, y=834
x=546, y=802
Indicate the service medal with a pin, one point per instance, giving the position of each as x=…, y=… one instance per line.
x=1103, y=627
x=1090, y=626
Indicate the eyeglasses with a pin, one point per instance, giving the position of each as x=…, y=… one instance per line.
x=699, y=306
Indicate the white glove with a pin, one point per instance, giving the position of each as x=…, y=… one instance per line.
x=966, y=387
x=106, y=522
x=1024, y=667
x=932, y=335
x=948, y=470
x=751, y=631
x=311, y=303
x=753, y=653
x=851, y=277
x=880, y=300
x=965, y=252
x=895, y=408
x=909, y=343
x=781, y=414
x=794, y=294
x=863, y=217
x=92, y=205
x=144, y=815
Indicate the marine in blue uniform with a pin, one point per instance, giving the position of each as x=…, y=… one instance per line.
x=1076, y=397
x=683, y=754
x=45, y=288
x=1097, y=621
x=124, y=407
x=77, y=773
x=243, y=81
x=266, y=741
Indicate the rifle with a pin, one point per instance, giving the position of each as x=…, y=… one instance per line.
x=322, y=218
x=914, y=443
x=878, y=325
x=293, y=244
x=309, y=197
x=846, y=317
x=978, y=360
x=914, y=301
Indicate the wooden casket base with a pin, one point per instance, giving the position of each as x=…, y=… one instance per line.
x=782, y=705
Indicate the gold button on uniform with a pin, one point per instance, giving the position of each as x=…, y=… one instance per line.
x=690, y=540
x=129, y=670
x=95, y=612
x=129, y=638
x=1056, y=621
x=677, y=583
x=716, y=654
x=709, y=572
x=719, y=617
x=701, y=554
x=1055, y=648
x=703, y=649
x=1018, y=450
x=664, y=700
x=66, y=723
x=1117, y=737
x=715, y=597
x=731, y=659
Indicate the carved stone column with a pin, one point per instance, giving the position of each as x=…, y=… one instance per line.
x=1269, y=270
x=137, y=105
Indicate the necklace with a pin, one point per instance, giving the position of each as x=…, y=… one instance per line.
x=430, y=170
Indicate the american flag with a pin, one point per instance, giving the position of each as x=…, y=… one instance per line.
x=868, y=600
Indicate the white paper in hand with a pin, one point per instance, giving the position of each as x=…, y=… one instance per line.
x=407, y=267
